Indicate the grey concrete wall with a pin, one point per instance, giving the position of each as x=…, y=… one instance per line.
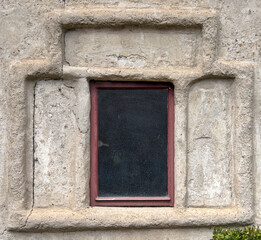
x=208, y=130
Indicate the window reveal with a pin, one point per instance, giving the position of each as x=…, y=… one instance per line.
x=132, y=144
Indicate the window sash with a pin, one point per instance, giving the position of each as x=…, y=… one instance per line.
x=95, y=200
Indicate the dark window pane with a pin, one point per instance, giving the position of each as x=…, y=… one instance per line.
x=132, y=155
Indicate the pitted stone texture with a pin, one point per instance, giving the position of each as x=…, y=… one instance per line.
x=153, y=234
x=55, y=131
x=142, y=3
x=209, y=143
x=3, y=183
x=258, y=149
x=133, y=47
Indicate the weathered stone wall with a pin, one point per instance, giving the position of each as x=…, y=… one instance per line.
x=50, y=50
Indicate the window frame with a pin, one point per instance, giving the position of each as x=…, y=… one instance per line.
x=95, y=200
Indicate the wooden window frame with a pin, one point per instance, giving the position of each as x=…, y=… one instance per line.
x=130, y=201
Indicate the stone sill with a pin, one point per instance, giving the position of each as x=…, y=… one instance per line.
x=54, y=219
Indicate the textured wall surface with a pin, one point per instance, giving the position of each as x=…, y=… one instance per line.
x=209, y=143
x=54, y=121
x=60, y=113
x=119, y=234
x=209, y=49
x=132, y=48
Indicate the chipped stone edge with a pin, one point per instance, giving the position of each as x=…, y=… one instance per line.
x=22, y=215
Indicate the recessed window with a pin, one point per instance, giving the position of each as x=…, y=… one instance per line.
x=132, y=128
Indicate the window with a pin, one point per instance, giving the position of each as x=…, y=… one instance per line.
x=132, y=144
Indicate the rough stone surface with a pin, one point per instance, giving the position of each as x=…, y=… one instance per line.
x=60, y=127
x=55, y=130
x=2, y=153
x=257, y=136
x=133, y=48
x=210, y=125
x=215, y=179
x=184, y=234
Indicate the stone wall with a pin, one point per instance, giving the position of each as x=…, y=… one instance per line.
x=210, y=50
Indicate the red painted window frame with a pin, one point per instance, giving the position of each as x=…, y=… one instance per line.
x=130, y=201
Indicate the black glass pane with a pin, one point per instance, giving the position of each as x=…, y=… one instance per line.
x=132, y=155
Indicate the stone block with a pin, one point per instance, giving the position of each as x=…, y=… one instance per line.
x=210, y=125
x=55, y=130
x=133, y=47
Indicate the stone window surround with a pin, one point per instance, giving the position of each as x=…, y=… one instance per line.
x=23, y=217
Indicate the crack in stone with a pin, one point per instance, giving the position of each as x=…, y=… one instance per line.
x=203, y=137
x=73, y=111
x=68, y=86
x=33, y=173
x=27, y=218
x=79, y=129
